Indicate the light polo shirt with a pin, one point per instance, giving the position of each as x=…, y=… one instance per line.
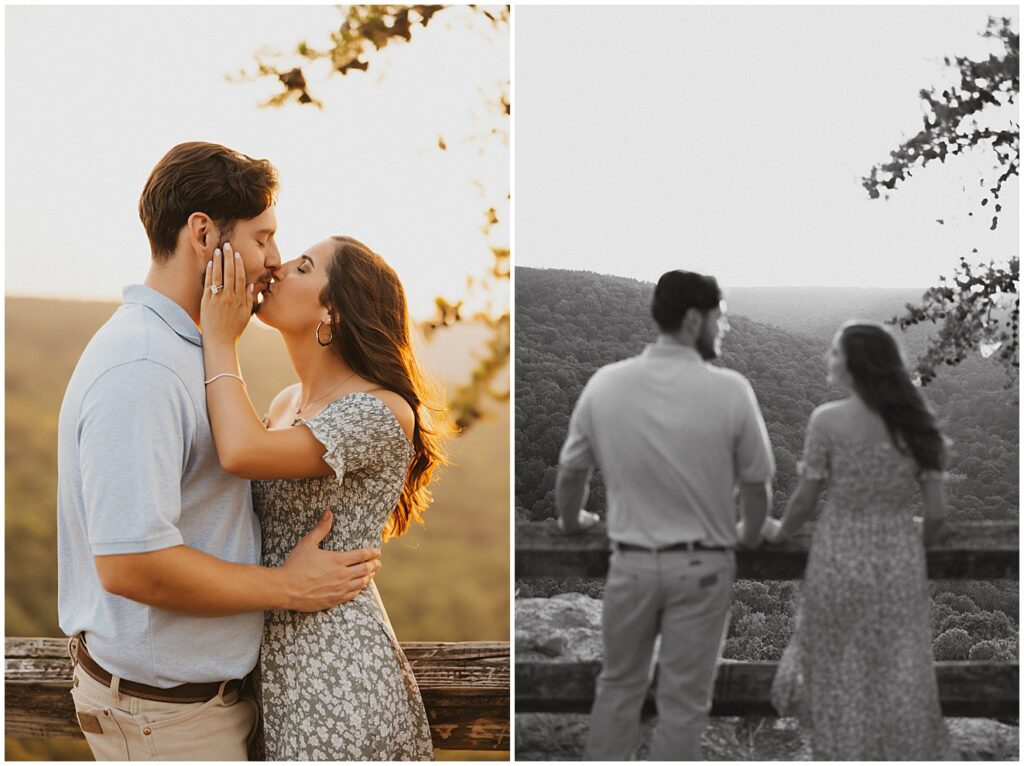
x=673, y=437
x=137, y=471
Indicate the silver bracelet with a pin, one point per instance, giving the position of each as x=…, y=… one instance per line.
x=223, y=375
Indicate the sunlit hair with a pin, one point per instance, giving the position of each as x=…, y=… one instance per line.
x=881, y=380
x=370, y=331
x=197, y=177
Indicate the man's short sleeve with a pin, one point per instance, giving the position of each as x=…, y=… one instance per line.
x=753, y=451
x=577, y=452
x=135, y=431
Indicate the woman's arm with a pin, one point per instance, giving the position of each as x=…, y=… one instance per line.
x=245, y=447
x=799, y=508
x=934, y=496
x=812, y=470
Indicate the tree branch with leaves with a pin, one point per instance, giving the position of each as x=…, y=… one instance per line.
x=364, y=31
x=978, y=308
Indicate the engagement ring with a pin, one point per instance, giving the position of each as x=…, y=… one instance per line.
x=216, y=288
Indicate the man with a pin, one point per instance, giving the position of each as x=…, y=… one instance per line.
x=158, y=547
x=673, y=437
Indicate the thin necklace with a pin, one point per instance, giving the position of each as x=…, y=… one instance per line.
x=299, y=409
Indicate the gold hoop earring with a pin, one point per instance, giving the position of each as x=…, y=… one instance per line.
x=322, y=343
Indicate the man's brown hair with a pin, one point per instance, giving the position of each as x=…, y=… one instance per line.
x=197, y=177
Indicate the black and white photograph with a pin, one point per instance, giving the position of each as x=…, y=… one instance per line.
x=766, y=383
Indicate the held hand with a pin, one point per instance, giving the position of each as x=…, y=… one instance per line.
x=319, y=579
x=585, y=520
x=227, y=300
x=772, y=530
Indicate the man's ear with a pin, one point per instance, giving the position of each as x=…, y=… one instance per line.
x=203, y=235
x=692, y=321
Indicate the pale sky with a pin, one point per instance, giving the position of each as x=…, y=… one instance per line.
x=732, y=141
x=96, y=95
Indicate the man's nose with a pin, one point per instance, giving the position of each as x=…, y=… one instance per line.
x=273, y=257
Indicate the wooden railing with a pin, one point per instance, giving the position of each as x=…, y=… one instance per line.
x=966, y=689
x=983, y=550
x=976, y=551
x=465, y=688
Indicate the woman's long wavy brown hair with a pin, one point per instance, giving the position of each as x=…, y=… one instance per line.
x=881, y=380
x=370, y=331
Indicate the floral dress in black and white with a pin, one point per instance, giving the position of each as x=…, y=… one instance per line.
x=858, y=671
x=335, y=685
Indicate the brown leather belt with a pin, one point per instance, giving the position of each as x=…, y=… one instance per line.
x=184, y=693
x=693, y=546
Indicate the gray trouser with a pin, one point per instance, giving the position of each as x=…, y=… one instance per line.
x=684, y=597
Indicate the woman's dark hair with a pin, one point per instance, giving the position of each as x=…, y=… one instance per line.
x=679, y=291
x=198, y=177
x=881, y=380
x=370, y=331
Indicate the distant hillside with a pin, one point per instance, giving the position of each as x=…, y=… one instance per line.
x=818, y=311
x=570, y=323
x=447, y=581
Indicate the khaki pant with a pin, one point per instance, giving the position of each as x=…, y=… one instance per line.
x=123, y=728
x=684, y=597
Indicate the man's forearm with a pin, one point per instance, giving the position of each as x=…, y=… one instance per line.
x=186, y=580
x=754, y=500
x=572, y=486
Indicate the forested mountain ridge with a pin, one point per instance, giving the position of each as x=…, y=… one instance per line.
x=570, y=323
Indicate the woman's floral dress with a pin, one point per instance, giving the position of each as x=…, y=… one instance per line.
x=859, y=671
x=335, y=685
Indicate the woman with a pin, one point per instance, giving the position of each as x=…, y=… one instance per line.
x=859, y=668
x=352, y=435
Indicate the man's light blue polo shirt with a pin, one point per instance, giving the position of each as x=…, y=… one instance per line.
x=138, y=472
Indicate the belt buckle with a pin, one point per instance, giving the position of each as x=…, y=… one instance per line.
x=689, y=546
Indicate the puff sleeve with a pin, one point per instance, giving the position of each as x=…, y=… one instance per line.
x=815, y=464
x=357, y=431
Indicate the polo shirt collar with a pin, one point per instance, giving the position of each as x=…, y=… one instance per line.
x=672, y=351
x=173, y=315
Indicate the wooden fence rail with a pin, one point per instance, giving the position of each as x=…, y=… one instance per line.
x=977, y=551
x=966, y=689
x=465, y=689
x=983, y=550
